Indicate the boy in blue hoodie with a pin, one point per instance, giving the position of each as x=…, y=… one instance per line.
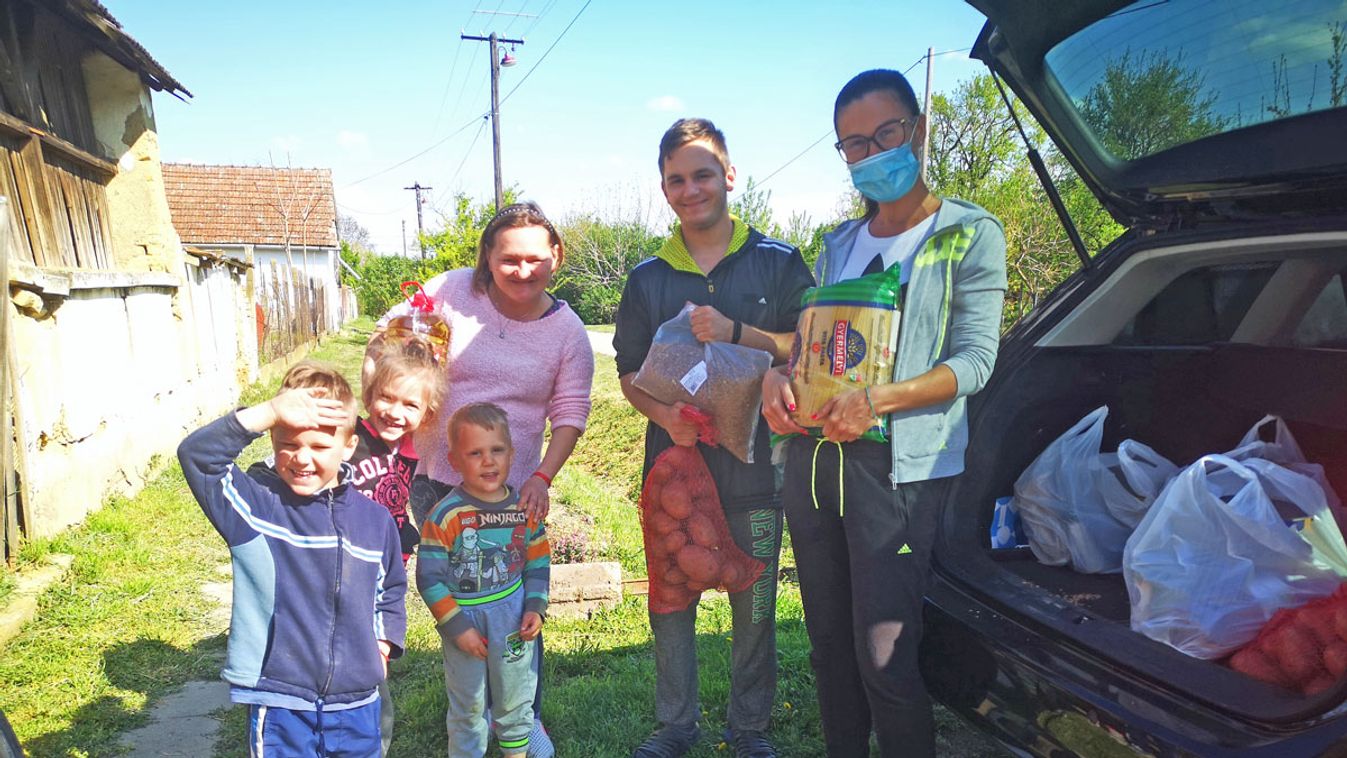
x=318, y=576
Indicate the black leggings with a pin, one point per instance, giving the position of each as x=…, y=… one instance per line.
x=863, y=552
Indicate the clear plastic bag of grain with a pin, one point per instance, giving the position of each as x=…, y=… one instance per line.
x=722, y=378
x=846, y=338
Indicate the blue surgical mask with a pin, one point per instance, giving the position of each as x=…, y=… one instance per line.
x=887, y=176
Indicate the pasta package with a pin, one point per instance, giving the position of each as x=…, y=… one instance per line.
x=846, y=338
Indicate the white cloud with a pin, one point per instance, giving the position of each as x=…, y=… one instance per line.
x=665, y=103
x=352, y=140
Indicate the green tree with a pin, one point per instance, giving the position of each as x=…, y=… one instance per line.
x=754, y=207
x=454, y=245
x=381, y=277
x=1147, y=103
x=973, y=142
x=978, y=155
x=599, y=254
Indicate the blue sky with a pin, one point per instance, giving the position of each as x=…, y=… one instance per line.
x=358, y=87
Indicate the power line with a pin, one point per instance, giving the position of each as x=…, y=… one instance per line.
x=409, y=159
x=798, y=155
x=543, y=57
x=461, y=164
x=546, y=9
x=826, y=134
x=449, y=81
x=464, y=127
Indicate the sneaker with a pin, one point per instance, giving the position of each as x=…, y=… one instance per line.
x=540, y=745
x=668, y=742
x=748, y=743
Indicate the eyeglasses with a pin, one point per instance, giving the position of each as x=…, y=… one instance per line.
x=889, y=135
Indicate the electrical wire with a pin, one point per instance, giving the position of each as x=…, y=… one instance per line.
x=825, y=135
x=411, y=158
x=812, y=145
x=449, y=81
x=546, y=9
x=542, y=58
x=467, y=154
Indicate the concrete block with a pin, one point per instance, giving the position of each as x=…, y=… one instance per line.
x=579, y=589
x=29, y=586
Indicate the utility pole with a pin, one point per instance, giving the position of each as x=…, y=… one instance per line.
x=926, y=111
x=495, y=103
x=418, y=189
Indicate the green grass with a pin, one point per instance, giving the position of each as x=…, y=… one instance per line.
x=606, y=328
x=612, y=447
x=129, y=623
x=6, y=587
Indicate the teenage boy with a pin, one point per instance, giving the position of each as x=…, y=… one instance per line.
x=747, y=288
x=306, y=653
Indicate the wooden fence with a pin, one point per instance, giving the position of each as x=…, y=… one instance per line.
x=294, y=310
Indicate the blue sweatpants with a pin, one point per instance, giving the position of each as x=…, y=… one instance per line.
x=284, y=733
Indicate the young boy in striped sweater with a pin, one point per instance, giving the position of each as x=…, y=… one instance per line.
x=483, y=569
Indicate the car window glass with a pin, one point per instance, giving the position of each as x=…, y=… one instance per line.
x=1325, y=323
x=1160, y=73
x=1201, y=306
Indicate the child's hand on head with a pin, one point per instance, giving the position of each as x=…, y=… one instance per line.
x=471, y=642
x=308, y=408
x=531, y=625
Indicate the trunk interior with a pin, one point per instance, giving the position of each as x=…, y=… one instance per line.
x=1182, y=401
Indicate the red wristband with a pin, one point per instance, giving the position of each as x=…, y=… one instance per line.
x=546, y=479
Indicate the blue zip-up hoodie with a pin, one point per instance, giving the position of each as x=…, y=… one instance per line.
x=317, y=580
x=951, y=315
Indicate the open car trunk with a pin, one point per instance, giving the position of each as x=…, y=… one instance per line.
x=1185, y=401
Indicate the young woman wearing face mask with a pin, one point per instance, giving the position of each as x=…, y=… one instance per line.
x=863, y=514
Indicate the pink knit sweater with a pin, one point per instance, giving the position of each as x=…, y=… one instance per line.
x=535, y=371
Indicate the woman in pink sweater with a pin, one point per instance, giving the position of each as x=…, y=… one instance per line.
x=513, y=344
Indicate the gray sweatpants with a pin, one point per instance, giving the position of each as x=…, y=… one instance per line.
x=509, y=670
x=753, y=649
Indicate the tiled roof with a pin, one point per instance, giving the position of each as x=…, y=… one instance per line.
x=250, y=204
x=108, y=34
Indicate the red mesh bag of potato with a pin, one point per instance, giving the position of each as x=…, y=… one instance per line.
x=688, y=548
x=1302, y=649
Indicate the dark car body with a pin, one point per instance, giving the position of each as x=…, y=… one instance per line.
x=1200, y=319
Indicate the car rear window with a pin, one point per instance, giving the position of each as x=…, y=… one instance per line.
x=1202, y=306
x=1160, y=73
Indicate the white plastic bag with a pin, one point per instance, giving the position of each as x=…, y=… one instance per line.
x=1130, y=480
x=1058, y=498
x=1283, y=449
x=1213, y=559
x=721, y=378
